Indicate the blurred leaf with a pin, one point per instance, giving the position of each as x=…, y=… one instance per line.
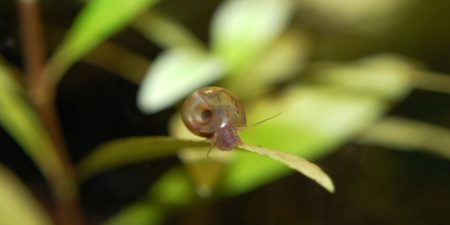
x=431, y=81
x=315, y=120
x=164, y=31
x=139, y=213
x=284, y=59
x=385, y=76
x=131, y=150
x=17, y=205
x=19, y=119
x=132, y=66
x=300, y=164
x=174, y=74
x=370, y=16
x=406, y=134
x=243, y=29
x=97, y=21
x=172, y=190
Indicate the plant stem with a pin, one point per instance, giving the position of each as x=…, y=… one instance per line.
x=41, y=94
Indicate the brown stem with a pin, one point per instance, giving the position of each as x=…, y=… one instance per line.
x=41, y=94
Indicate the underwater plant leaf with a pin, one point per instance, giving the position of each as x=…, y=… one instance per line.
x=174, y=74
x=20, y=120
x=172, y=190
x=431, y=81
x=295, y=162
x=316, y=119
x=17, y=205
x=131, y=150
x=138, y=213
x=285, y=59
x=132, y=66
x=242, y=30
x=164, y=31
x=407, y=134
x=97, y=21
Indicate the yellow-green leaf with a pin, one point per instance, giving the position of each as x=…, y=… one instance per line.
x=407, y=134
x=17, y=205
x=175, y=74
x=98, y=20
x=316, y=119
x=165, y=31
x=131, y=150
x=19, y=119
x=243, y=29
x=298, y=163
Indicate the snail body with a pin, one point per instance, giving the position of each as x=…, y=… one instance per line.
x=216, y=114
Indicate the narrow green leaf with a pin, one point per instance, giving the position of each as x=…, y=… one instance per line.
x=132, y=66
x=127, y=151
x=19, y=119
x=97, y=21
x=175, y=74
x=17, y=205
x=300, y=164
x=164, y=31
x=431, y=81
x=407, y=134
x=243, y=29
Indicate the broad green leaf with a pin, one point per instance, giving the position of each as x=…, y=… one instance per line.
x=283, y=60
x=97, y=21
x=315, y=120
x=175, y=74
x=300, y=164
x=131, y=150
x=243, y=29
x=19, y=119
x=407, y=134
x=17, y=205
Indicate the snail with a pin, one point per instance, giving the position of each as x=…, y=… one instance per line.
x=216, y=114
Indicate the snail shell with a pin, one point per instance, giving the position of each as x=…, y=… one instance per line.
x=215, y=113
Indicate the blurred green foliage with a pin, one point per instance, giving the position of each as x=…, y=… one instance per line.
x=278, y=55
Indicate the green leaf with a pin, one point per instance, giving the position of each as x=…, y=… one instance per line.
x=164, y=31
x=17, y=205
x=131, y=150
x=243, y=29
x=172, y=190
x=284, y=60
x=175, y=74
x=300, y=164
x=19, y=119
x=407, y=134
x=97, y=21
x=139, y=213
x=315, y=120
